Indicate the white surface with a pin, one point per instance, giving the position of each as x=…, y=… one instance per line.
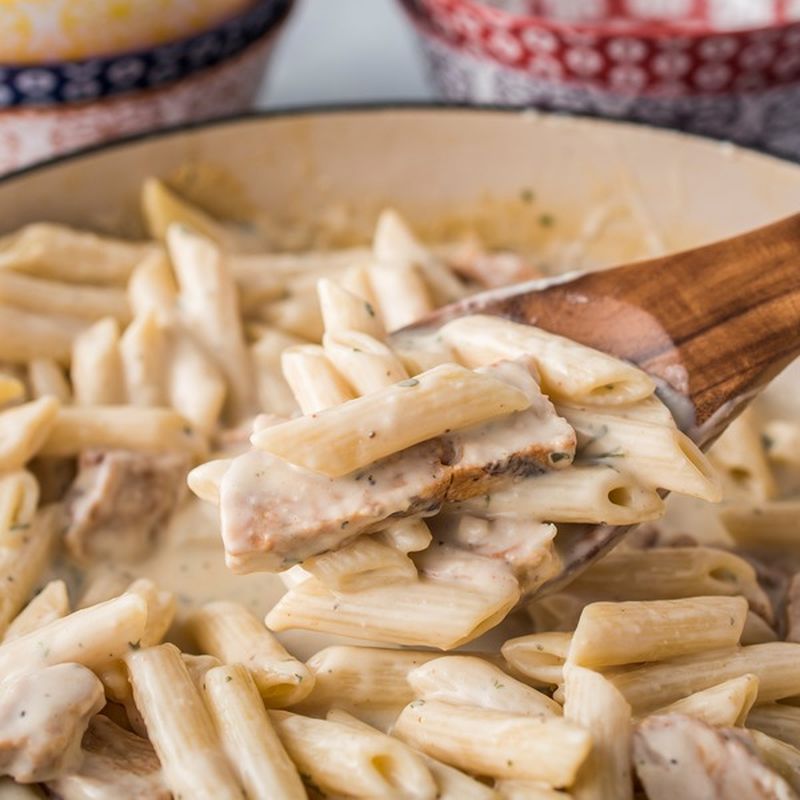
x=345, y=51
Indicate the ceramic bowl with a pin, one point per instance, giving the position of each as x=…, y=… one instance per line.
x=729, y=70
x=55, y=107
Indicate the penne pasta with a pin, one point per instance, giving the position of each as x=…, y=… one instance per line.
x=232, y=634
x=367, y=364
x=400, y=292
x=471, y=681
x=11, y=388
x=596, y=493
x=740, y=458
x=53, y=297
x=297, y=313
x=780, y=756
x=152, y=287
x=528, y=790
x=777, y=720
x=658, y=456
x=209, y=307
x=725, y=705
x=361, y=431
x=568, y=370
x=656, y=685
x=19, y=497
x=313, y=379
x=179, y=726
x=453, y=784
x=612, y=634
x=274, y=393
x=594, y=704
x=46, y=378
x=343, y=759
x=407, y=613
x=50, y=604
x=25, y=335
x=369, y=682
x=539, y=656
x=496, y=743
x=126, y=427
x=96, y=366
x=361, y=564
x=24, y=429
x=61, y=253
x=142, y=349
x=770, y=526
x=343, y=311
x=408, y=535
x=248, y=739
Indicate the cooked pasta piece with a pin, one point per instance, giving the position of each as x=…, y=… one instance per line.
x=344, y=311
x=25, y=335
x=568, y=369
x=11, y=388
x=658, y=456
x=313, y=379
x=453, y=784
x=152, y=287
x=65, y=254
x=274, y=393
x=773, y=526
x=248, y=739
x=24, y=429
x=161, y=607
x=406, y=535
x=361, y=564
x=94, y=637
x=142, y=348
x=496, y=743
x=540, y=656
x=586, y=493
x=50, y=604
x=368, y=364
x=724, y=706
x=612, y=634
x=232, y=634
x=777, y=720
x=341, y=440
x=593, y=703
x=420, y=351
x=394, y=242
x=369, y=682
x=655, y=685
x=25, y=552
x=670, y=572
x=19, y=497
x=400, y=292
x=96, y=366
x=47, y=378
x=739, y=455
x=528, y=790
x=179, y=726
x=297, y=312
x=161, y=208
x=54, y=297
x=471, y=681
x=757, y=630
x=124, y=427
x=782, y=757
x=347, y=760
x=476, y=593
x=209, y=306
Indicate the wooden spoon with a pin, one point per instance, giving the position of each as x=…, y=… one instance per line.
x=712, y=325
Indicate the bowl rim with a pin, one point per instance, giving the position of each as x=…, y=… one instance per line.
x=376, y=107
x=646, y=29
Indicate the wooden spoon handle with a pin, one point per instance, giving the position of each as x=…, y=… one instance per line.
x=715, y=324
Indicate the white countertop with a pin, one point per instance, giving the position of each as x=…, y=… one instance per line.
x=345, y=51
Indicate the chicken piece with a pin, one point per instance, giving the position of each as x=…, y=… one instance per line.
x=679, y=757
x=519, y=445
x=525, y=545
x=116, y=764
x=275, y=514
x=120, y=501
x=43, y=716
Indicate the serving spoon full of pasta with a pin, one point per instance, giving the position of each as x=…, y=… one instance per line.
x=712, y=326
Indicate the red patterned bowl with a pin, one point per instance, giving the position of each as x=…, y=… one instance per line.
x=52, y=108
x=725, y=68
